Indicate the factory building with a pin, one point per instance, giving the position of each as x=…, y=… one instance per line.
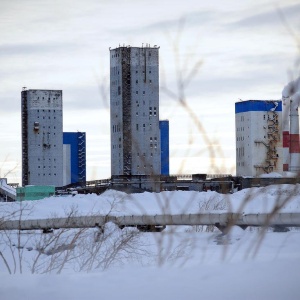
x=42, y=135
x=134, y=111
x=258, y=137
x=74, y=157
x=164, y=144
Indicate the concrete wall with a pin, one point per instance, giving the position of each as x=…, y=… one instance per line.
x=67, y=164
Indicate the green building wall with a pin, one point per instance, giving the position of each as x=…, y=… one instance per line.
x=34, y=192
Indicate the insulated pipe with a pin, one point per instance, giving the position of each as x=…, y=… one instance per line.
x=217, y=219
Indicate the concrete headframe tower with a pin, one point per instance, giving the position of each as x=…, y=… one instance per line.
x=42, y=137
x=134, y=111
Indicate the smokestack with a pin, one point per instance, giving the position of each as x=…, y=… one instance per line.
x=286, y=133
x=290, y=129
x=294, y=134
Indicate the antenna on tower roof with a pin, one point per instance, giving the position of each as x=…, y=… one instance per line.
x=24, y=88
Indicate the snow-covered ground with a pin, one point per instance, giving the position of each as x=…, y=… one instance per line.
x=254, y=200
x=181, y=262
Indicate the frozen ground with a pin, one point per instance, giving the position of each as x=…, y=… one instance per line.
x=179, y=263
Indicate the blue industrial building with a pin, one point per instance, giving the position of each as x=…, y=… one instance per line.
x=257, y=105
x=164, y=144
x=74, y=157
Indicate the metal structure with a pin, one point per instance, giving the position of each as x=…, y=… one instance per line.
x=7, y=192
x=273, y=138
x=158, y=183
x=126, y=109
x=81, y=138
x=24, y=114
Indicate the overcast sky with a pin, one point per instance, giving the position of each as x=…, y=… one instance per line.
x=223, y=50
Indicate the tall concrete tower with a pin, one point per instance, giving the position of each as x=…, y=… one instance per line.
x=134, y=111
x=42, y=137
x=258, y=137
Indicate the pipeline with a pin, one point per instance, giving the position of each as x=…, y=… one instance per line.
x=217, y=219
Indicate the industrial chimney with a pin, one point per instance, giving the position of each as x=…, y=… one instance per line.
x=290, y=132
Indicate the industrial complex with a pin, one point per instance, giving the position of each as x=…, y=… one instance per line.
x=267, y=139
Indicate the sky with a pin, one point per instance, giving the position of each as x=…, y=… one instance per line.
x=221, y=52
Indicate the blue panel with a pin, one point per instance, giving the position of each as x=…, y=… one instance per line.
x=257, y=105
x=164, y=144
x=77, y=140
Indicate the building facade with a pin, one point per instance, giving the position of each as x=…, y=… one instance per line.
x=134, y=111
x=35, y=192
x=164, y=145
x=42, y=137
x=258, y=137
x=74, y=153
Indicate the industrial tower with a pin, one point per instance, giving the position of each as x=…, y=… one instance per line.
x=42, y=137
x=291, y=137
x=258, y=137
x=134, y=111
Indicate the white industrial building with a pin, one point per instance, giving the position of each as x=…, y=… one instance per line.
x=258, y=137
x=42, y=137
x=134, y=111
